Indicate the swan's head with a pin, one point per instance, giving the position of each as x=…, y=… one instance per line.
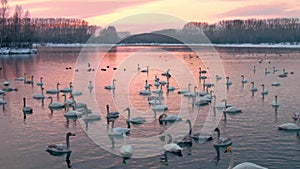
x=188, y=121
x=262, y=84
x=127, y=109
x=228, y=149
x=217, y=129
x=252, y=82
x=70, y=134
x=114, y=80
x=57, y=83
x=242, y=76
x=227, y=77
x=49, y=97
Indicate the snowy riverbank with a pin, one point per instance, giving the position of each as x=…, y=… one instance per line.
x=11, y=51
x=245, y=45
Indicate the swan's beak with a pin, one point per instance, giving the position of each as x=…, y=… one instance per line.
x=228, y=149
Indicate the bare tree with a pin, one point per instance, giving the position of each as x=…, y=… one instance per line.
x=4, y=12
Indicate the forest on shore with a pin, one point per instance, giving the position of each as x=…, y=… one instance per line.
x=20, y=30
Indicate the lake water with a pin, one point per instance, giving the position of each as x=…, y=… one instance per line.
x=254, y=132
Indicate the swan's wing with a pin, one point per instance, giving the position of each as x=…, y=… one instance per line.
x=172, y=147
x=126, y=151
x=248, y=165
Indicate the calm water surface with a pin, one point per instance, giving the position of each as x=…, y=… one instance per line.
x=254, y=132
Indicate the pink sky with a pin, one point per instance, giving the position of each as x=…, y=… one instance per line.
x=103, y=12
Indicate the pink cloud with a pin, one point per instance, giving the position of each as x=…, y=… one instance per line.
x=278, y=10
x=79, y=9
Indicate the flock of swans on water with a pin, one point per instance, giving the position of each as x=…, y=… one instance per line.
x=171, y=145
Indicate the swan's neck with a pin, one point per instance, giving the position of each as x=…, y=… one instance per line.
x=225, y=103
x=231, y=160
x=128, y=125
x=276, y=100
x=24, y=102
x=189, y=87
x=124, y=139
x=107, y=110
x=263, y=88
x=65, y=97
x=68, y=142
x=51, y=100
x=218, y=138
x=113, y=83
x=128, y=117
x=190, y=128
x=57, y=87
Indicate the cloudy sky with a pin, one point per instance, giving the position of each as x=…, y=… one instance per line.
x=103, y=12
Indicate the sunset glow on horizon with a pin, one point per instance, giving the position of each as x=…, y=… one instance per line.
x=104, y=12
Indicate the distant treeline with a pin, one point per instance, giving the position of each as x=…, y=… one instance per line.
x=19, y=30
x=250, y=30
x=234, y=32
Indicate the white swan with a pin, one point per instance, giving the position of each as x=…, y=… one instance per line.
x=68, y=102
x=171, y=147
x=222, y=104
x=231, y=109
x=146, y=91
x=145, y=70
x=40, y=83
x=228, y=82
x=21, y=78
x=275, y=103
x=197, y=136
x=90, y=86
x=264, y=91
x=267, y=71
x=244, y=165
x=222, y=141
x=166, y=73
x=202, y=72
x=290, y=126
x=60, y=149
x=253, y=88
x=67, y=89
x=3, y=102
x=283, y=74
x=111, y=115
x=275, y=84
x=169, y=118
x=199, y=102
x=185, y=90
x=158, y=91
x=243, y=79
x=111, y=87
x=72, y=113
x=134, y=120
x=191, y=94
x=39, y=96
x=29, y=81
x=118, y=131
x=147, y=85
x=26, y=109
x=158, y=107
x=275, y=69
x=91, y=117
x=55, y=105
x=126, y=150
x=207, y=84
x=54, y=91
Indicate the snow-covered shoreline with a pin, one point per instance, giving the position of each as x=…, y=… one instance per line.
x=244, y=45
x=12, y=51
